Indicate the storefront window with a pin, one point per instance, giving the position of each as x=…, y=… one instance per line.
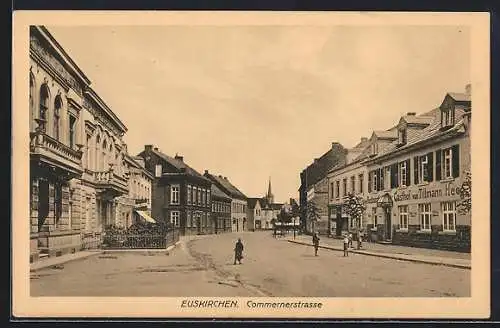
x=425, y=216
x=403, y=217
x=449, y=216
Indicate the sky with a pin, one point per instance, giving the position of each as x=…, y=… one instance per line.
x=258, y=102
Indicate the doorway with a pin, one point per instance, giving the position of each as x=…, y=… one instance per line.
x=388, y=224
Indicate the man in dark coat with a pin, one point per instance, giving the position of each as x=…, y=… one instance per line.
x=238, y=251
x=315, y=243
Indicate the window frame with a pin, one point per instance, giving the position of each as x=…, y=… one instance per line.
x=402, y=181
x=175, y=219
x=449, y=158
x=175, y=194
x=423, y=212
x=423, y=166
x=403, y=217
x=447, y=212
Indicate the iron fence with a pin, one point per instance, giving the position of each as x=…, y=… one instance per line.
x=91, y=241
x=127, y=240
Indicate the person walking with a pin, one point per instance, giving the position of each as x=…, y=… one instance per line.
x=346, y=245
x=238, y=251
x=315, y=243
x=360, y=239
x=350, y=240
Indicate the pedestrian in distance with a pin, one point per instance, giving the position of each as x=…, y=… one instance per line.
x=346, y=245
x=238, y=251
x=315, y=243
x=360, y=239
x=350, y=240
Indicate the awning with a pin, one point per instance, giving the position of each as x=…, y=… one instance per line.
x=146, y=217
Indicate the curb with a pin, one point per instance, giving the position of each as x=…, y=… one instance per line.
x=459, y=266
x=169, y=248
x=66, y=261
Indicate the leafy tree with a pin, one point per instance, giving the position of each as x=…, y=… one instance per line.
x=312, y=213
x=465, y=192
x=284, y=216
x=355, y=208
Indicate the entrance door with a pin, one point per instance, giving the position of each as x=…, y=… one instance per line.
x=388, y=224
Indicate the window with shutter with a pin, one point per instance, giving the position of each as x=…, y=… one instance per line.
x=430, y=167
x=415, y=170
x=370, y=179
x=439, y=176
x=381, y=179
x=455, y=153
x=408, y=170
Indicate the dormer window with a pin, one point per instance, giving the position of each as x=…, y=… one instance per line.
x=158, y=170
x=447, y=117
x=401, y=137
x=374, y=149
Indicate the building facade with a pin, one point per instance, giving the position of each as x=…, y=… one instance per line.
x=76, y=153
x=239, y=204
x=316, y=172
x=254, y=214
x=318, y=195
x=221, y=210
x=413, y=186
x=342, y=180
x=139, y=196
x=180, y=195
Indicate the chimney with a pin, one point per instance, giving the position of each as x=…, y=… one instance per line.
x=148, y=147
x=364, y=139
x=180, y=158
x=411, y=114
x=225, y=178
x=156, y=148
x=468, y=89
x=206, y=171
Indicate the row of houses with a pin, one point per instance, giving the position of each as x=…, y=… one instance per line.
x=409, y=177
x=83, y=179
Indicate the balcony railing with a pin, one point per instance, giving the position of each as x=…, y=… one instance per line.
x=42, y=144
x=110, y=180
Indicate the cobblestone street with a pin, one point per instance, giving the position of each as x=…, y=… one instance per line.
x=203, y=266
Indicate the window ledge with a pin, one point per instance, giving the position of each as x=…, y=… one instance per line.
x=425, y=232
x=447, y=180
x=447, y=232
x=402, y=230
x=373, y=229
x=421, y=184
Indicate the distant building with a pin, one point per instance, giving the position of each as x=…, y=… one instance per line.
x=140, y=188
x=221, y=210
x=238, y=203
x=313, y=179
x=270, y=209
x=180, y=195
x=254, y=214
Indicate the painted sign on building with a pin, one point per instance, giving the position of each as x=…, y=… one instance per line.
x=424, y=193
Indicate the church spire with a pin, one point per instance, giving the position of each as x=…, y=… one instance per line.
x=270, y=197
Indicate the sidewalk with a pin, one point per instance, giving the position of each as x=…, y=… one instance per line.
x=59, y=260
x=412, y=254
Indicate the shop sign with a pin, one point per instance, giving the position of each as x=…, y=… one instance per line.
x=424, y=193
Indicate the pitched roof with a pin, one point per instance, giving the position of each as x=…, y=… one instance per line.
x=252, y=202
x=226, y=186
x=459, y=96
x=416, y=136
x=216, y=192
x=387, y=134
x=420, y=120
x=178, y=164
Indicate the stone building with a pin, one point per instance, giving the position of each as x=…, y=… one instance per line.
x=77, y=169
x=140, y=186
x=238, y=203
x=314, y=174
x=414, y=181
x=180, y=195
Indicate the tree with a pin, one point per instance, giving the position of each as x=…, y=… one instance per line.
x=465, y=192
x=355, y=208
x=284, y=216
x=312, y=213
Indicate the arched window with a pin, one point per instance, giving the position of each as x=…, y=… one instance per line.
x=57, y=116
x=104, y=159
x=44, y=103
x=32, y=99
